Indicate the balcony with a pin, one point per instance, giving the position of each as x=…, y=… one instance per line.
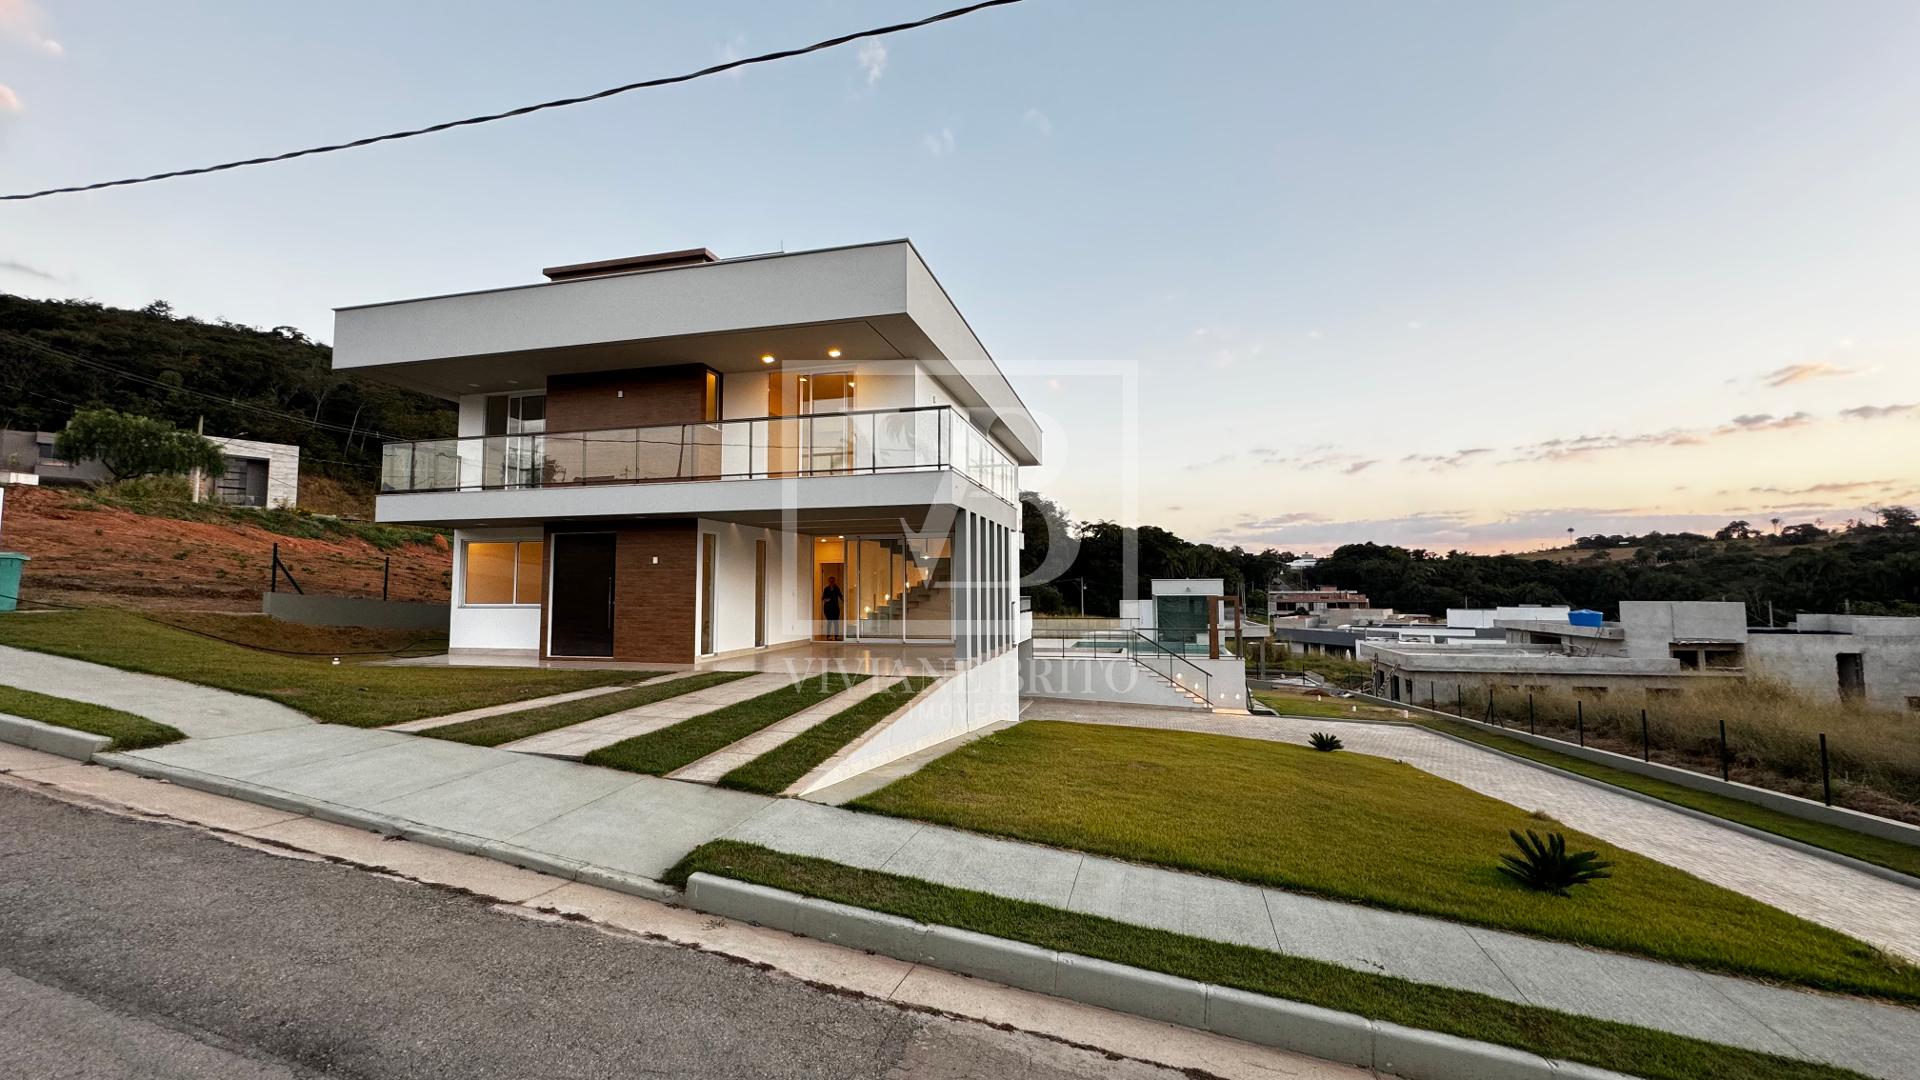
x=874, y=442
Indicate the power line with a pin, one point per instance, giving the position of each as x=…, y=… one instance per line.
x=647, y=84
x=97, y=365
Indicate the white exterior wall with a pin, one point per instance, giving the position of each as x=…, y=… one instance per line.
x=491, y=627
x=968, y=700
x=789, y=586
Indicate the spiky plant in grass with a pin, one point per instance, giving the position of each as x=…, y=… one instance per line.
x=1547, y=866
x=1323, y=741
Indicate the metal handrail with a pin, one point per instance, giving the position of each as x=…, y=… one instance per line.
x=766, y=447
x=1206, y=687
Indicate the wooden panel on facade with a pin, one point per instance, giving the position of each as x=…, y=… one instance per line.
x=636, y=397
x=654, y=600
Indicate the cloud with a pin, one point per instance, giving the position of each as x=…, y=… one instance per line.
x=938, y=143
x=22, y=20
x=10, y=101
x=1443, y=462
x=1766, y=422
x=1831, y=487
x=1359, y=466
x=872, y=58
x=19, y=267
x=1799, y=373
x=1878, y=412
x=1038, y=121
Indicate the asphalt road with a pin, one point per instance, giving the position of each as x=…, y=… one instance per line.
x=135, y=949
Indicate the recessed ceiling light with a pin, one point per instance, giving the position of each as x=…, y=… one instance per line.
x=767, y=359
x=834, y=353
x=473, y=386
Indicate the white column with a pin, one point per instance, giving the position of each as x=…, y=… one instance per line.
x=962, y=591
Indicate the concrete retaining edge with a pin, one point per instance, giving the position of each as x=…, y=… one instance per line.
x=386, y=825
x=51, y=738
x=1323, y=1033
x=1807, y=809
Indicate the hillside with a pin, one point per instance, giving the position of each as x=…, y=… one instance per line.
x=90, y=552
x=273, y=385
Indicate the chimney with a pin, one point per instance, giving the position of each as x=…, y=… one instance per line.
x=663, y=260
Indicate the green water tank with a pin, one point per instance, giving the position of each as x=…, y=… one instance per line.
x=11, y=564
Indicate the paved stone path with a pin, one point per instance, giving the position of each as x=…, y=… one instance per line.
x=559, y=814
x=723, y=761
x=583, y=738
x=1861, y=905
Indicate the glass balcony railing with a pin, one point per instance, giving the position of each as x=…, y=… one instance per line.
x=833, y=444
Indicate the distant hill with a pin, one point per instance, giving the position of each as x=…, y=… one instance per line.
x=244, y=381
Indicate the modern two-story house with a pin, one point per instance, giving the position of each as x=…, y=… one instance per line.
x=680, y=459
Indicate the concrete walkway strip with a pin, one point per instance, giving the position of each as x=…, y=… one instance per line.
x=1874, y=909
x=728, y=758
x=579, y=740
x=528, y=704
x=198, y=711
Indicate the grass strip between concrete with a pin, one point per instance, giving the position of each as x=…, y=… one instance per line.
x=661, y=752
x=128, y=732
x=1880, y=851
x=507, y=727
x=354, y=694
x=777, y=769
x=1602, y=1043
x=1364, y=830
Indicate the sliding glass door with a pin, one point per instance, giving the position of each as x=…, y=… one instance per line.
x=894, y=588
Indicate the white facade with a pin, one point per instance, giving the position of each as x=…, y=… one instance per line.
x=689, y=459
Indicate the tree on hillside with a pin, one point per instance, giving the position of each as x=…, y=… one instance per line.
x=1896, y=518
x=134, y=446
x=1737, y=530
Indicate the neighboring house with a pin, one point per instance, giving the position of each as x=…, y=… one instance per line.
x=259, y=474
x=1867, y=658
x=1320, y=601
x=1662, y=646
x=676, y=457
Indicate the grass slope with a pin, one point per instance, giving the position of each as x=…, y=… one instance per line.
x=1331, y=708
x=505, y=728
x=128, y=732
x=777, y=769
x=1622, y=1047
x=358, y=695
x=1891, y=854
x=1361, y=829
x=661, y=752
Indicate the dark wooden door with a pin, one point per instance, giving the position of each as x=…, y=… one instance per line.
x=580, y=607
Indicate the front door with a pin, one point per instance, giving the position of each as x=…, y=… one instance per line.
x=580, y=604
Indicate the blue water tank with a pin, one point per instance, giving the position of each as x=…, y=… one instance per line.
x=1584, y=617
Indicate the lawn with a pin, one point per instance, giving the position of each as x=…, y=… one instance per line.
x=1891, y=854
x=128, y=732
x=1329, y=707
x=505, y=728
x=777, y=769
x=661, y=752
x=356, y=694
x=1602, y=1043
x=1361, y=829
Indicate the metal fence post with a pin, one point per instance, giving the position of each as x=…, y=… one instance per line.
x=275, y=587
x=1531, y=729
x=386, y=574
x=1646, y=744
x=1489, y=703
x=1460, y=699
x=1724, y=770
x=1580, y=720
x=1826, y=776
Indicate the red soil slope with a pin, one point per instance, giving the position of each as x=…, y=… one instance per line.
x=102, y=556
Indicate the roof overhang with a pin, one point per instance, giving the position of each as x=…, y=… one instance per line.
x=873, y=302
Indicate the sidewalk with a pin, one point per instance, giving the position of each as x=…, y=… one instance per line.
x=585, y=821
x=198, y=711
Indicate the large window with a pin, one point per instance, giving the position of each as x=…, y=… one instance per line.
x=503, y=573
x=517, y=414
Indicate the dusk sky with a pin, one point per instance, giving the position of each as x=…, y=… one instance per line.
x=1447, y=275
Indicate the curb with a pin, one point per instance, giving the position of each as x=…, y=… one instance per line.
x=385, y=825
x=51, y=739
x=1307, y=1029
x=1818, y=852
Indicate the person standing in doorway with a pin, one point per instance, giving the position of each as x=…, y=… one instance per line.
x=830, y=598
